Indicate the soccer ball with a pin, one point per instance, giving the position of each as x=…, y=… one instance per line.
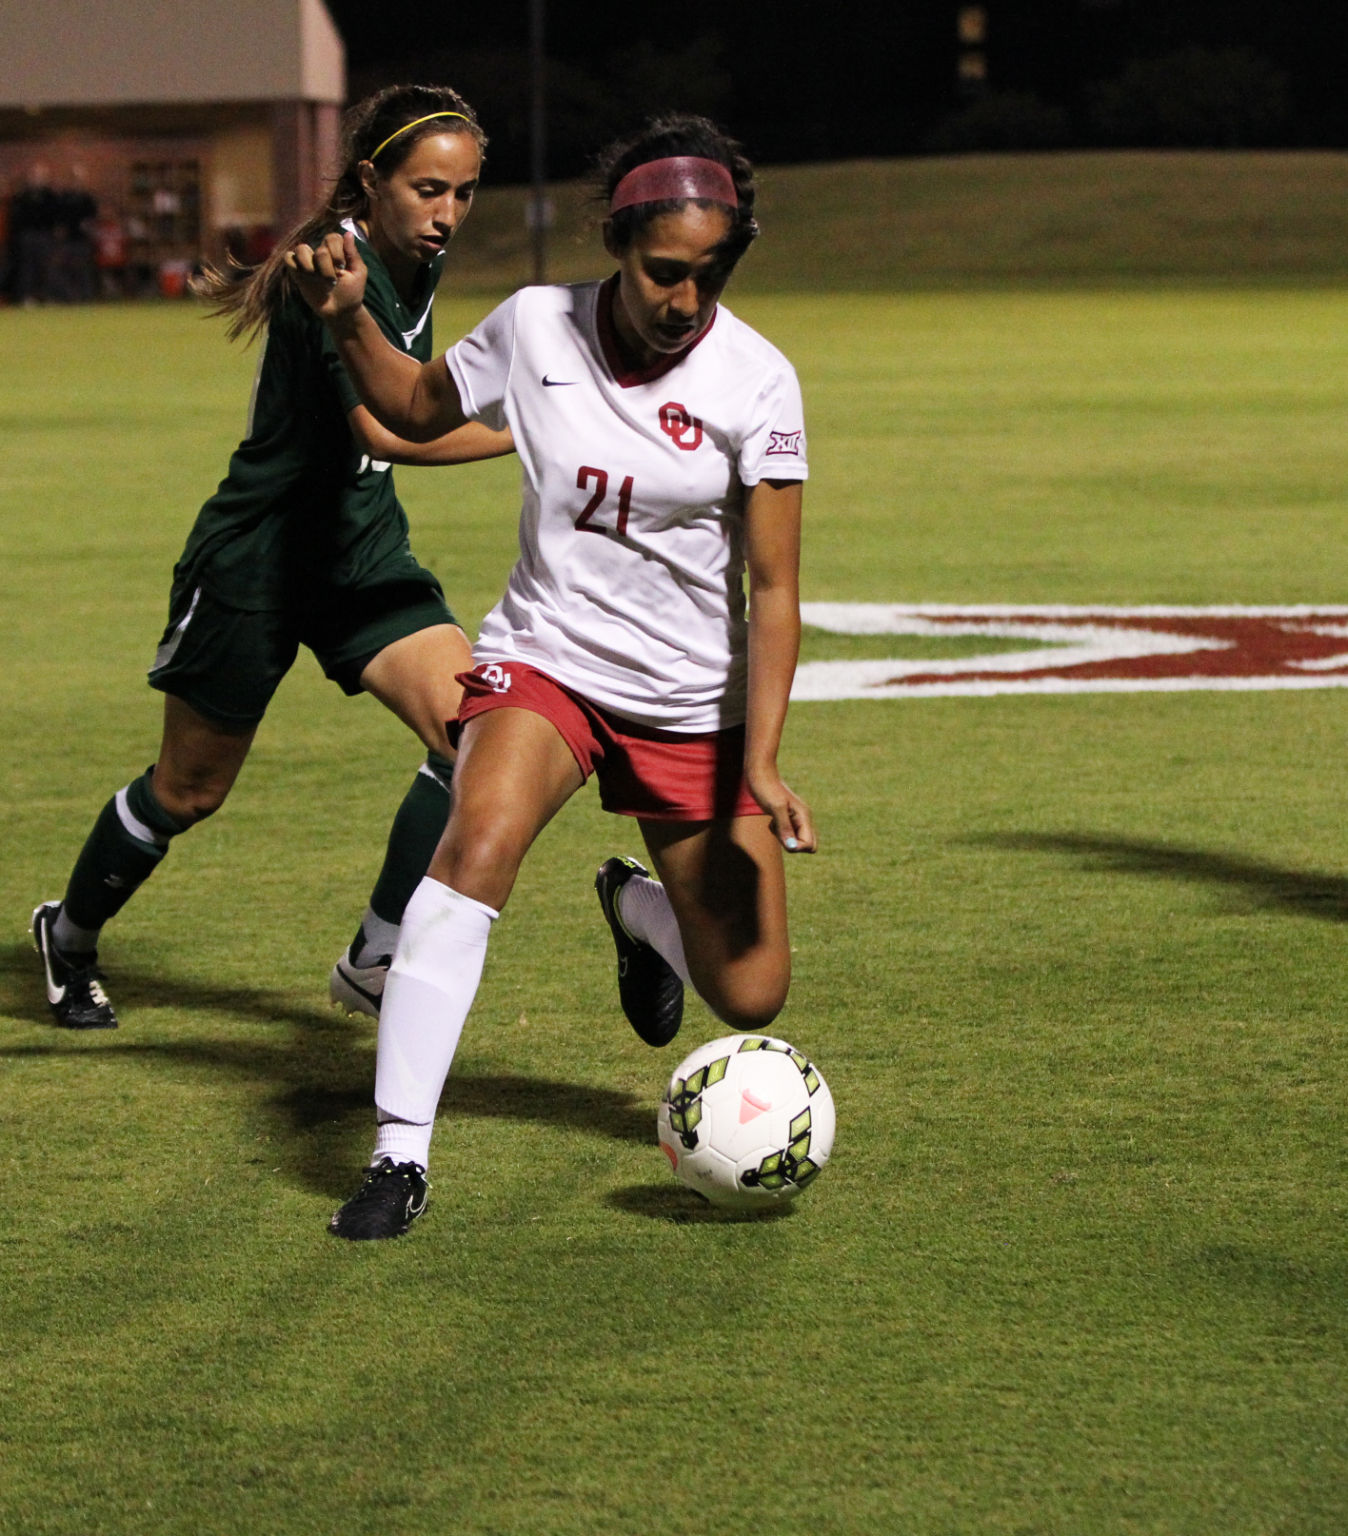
x=746, y=1121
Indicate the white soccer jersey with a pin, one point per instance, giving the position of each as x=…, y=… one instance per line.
x=629, y=586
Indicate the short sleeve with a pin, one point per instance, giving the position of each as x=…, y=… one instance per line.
x=480, y=365
x=774, y=446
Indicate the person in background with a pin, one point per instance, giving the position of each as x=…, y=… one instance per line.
x=6, y=292
x=73, y=247
x=33, y=215
x=110, y=254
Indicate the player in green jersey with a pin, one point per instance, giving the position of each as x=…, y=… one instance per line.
x=304, y=543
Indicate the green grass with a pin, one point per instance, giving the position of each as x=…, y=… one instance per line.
x=1009, y=220
x=1074, y=968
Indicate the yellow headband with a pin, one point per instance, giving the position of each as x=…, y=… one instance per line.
x=413, y=124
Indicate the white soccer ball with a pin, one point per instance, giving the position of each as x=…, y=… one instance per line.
x=746, y=1121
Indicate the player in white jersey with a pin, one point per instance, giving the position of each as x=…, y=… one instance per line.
x=650, y=623
x=662, y=447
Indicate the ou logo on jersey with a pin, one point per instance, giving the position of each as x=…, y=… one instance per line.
x=678, y=424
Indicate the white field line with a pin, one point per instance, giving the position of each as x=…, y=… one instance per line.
x=896, y=618
x=1070, y=645
x=818, y=680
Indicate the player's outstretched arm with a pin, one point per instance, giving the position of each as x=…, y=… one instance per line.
x=468, y=444
x=415, y=401
x=772, y=512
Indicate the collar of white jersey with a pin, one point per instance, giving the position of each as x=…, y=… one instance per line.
x=352, y=228
x=626, y=377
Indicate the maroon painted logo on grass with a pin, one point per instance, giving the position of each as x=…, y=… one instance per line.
x=1083, y=650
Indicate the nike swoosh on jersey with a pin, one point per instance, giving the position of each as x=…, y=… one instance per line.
x=556, y=383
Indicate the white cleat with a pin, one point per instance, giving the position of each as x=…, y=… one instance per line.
x=358, y=988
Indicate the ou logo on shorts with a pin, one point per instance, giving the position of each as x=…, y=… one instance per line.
x=678, y=424
x=496, y=677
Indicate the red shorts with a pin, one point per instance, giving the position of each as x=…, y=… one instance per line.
x=657, y=775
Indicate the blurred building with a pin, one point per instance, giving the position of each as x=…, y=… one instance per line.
x=196, y=126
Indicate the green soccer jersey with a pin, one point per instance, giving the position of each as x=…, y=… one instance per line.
x=303, y=513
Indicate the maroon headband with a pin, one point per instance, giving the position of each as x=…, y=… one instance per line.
x=681, y=176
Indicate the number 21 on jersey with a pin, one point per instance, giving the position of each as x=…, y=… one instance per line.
x=587, y=475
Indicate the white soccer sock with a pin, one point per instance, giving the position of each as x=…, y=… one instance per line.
x=402, y=1141
x=647, y=915
x=430, y=988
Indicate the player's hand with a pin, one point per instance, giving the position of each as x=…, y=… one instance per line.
x=330, y=276
x=792, y=823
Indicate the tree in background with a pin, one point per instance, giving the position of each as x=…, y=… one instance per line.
x=1002, y=120
x=1225, y=98
x=586, y=106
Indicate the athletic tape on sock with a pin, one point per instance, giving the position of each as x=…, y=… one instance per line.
x=135, y=826
x=139, y=806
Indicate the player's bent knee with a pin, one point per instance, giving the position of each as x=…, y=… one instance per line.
x=198, y=808
x=190, y=802
x=482, y=865
x=756, y=1020
x=749, y=1008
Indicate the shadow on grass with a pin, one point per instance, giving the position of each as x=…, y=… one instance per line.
x=683, y=1207
x=318, y=1113
x=22, y=996
x=1301, y=893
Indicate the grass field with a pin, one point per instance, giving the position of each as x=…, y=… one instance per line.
x=1074, y=968
x=873, y=226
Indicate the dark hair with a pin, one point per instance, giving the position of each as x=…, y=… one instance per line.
x=677, y=133
x=250, y=296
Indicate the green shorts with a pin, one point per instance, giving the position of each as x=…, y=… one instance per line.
x=228, y=662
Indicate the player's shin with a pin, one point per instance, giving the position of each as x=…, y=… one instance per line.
x=125, y=847
x=431, y=985
x=412, y=839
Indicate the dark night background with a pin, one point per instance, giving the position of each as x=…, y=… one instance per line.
x=808, y=80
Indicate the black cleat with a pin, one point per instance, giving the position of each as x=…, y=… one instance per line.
x=389, y=1200
x=74, y=985
x=649, y=987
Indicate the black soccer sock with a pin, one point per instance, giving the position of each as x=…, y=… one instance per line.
x=412, y=840
x=128, y=840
